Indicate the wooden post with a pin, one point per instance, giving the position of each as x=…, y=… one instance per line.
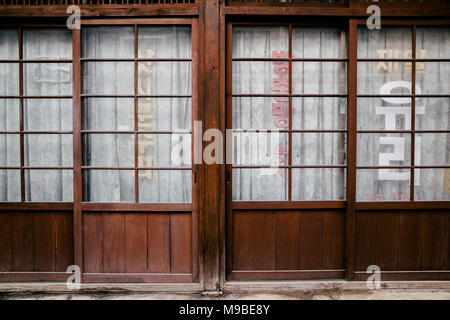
x=209, y=215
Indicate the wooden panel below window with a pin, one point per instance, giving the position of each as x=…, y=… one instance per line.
x=136, y=243
x=402, y=240
x=36, y=241
x=287, y=240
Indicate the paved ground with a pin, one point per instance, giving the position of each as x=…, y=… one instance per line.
x=303, y=295
x=293, y=290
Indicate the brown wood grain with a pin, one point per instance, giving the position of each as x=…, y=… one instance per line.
x=287, y=244
x=64, y=241
x=6, y=233
x=22, y=243
x=158, y=243
x=263, y=240
x=365, y=240
x=180, y=243
x=386, y=241
x=333, y=240
x=242, y=241
x=311, y=241
x=44, y=242
x=432, y=246
x=93, y=242
x=113, y=243
x=135, y=243
x=410, y=241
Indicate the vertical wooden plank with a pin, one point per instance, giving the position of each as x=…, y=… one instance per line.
x=180, y=243
x=209, y=26
x=64, y=241
x=113, y=242
x=410, y=244
x=386, y=242
x=311, y=240
x=333, y=240
x=6, y=232
x=77, y=153
x=263, y=240
x=22, y=241
x=350, y=218
x=242, y=241
x=44, y=242
x=432, y=253
x=365, y=240
x=287, y=244
x=446, y=241
x=158, y=243
x=135, y=242
x=93, y=242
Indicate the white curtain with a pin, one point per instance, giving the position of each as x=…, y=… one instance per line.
x=395, y=114
x=309, y=113
x=166, y=114
x=40, y=150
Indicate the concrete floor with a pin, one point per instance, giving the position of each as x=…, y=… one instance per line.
x=314, y=290
x=381, y=295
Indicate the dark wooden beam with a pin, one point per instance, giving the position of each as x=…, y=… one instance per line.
x=209, y=218
x=101, y=10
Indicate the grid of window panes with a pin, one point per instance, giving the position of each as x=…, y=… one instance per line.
x=137, y=114
x=403, y=114
x=36, y=115
x=289, y=109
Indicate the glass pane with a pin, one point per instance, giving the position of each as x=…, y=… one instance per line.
x=314, y=113
x=164, y=42
x=48, y=114
x=260, y=42
x=382, y=184
x=9, y=44
x=10, y=185
x=165, y=78
x=384, y=113
x=108, y=150
x=167, y=186
x=47, y=44
x=161, y=114
x=48, y=150
x=114, y=114
x=432, y=149
x=261, y=77
x=318, y=184
x=385, y=43
x=9, y=150
x=47, y=79
x=260, y=113
x=319, y=42
x=433, y=77
x=49, y=185
x=9, y=79
x=432, y=114
x=432, y=184
x=318, y=148
x=9, y=115
x=164, y=150
x=108, y=42
x=108, y=78
x=261, y=149
x=319, y=77
x=384, y=149
x=385, y=78
x=108, y=186
x=433, y=42
x=265, y=184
